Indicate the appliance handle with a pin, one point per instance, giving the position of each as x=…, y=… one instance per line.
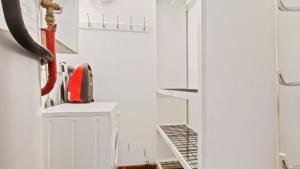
x=14, y=20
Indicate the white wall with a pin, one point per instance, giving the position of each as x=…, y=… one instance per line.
x=173, y=63
x=124, y=68
x=20, y=143
x=68, y=20
x=171, y=33
x=289, y=60
x=240, y=85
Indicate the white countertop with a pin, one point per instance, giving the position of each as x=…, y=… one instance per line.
x=77, y=110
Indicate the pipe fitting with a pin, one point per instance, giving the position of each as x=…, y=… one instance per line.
x=51, y=8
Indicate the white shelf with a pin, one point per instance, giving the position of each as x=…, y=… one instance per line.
x=183, y=142
x=179, y=93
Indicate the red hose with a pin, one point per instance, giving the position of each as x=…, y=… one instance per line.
x=50, y=43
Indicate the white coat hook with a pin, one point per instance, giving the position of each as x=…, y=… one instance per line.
x=89, y=21
x=283, y=82
x=103, y=21
x=131, y=23
x=145, y=24
x=285, y=8
x=118, y=26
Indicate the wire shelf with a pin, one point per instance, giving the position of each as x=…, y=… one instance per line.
x=185, y=141
x=170, y=165
x=179, y=93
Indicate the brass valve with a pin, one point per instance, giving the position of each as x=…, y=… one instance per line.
x=51, y=8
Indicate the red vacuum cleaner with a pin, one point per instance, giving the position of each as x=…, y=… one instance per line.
x=80, y=86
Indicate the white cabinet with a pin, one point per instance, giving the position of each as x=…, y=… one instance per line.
x=81, y=136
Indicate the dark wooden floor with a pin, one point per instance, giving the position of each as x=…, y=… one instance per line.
x=146, y=166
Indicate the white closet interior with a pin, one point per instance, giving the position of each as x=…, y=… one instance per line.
x=178, y=80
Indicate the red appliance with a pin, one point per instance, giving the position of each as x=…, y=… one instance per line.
x=80, y=86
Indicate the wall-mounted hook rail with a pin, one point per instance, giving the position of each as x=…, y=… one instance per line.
x=283, y=7
x=116, y=25
x=282, y=81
